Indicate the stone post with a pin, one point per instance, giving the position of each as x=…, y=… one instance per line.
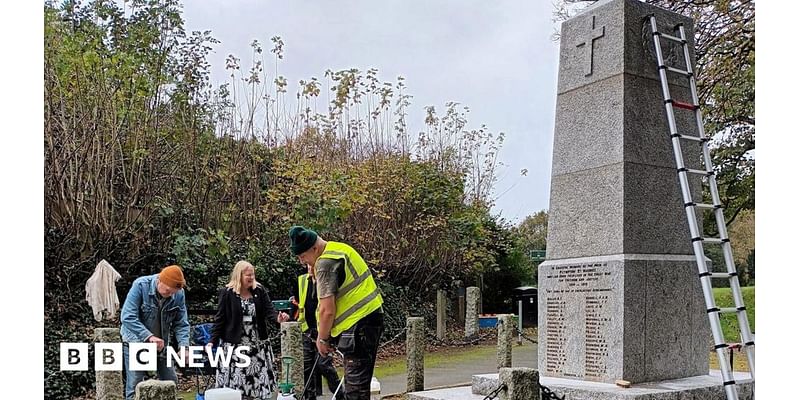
x=471, y=323
x=109, y=384
x=415, y=353
x=461, y=305
x=153, y=389
x=292, y=346
x=521, y=384
x=505, y=337
x=441, y=313
x=480, y=293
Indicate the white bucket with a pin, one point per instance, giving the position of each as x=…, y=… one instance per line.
x=374, y=389
x=223, y=394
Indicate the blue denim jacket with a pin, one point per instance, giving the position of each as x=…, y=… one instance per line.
x=140, y=309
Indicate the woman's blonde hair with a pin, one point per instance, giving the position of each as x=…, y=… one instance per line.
x=236, y=276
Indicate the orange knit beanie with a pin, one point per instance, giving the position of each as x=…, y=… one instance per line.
x=172, y=276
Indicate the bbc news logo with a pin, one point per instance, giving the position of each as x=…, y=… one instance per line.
x=144, y=356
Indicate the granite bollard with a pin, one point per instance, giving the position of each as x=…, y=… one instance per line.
x=505, y=338
x=471, y=319
x=292, y=346
x=441, y=314
x=109, y=384
x=415, y=354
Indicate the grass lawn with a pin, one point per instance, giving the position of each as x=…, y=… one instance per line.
x=444, y=357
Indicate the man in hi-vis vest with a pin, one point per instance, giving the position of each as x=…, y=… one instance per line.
x=350, y=306
x=304, y=309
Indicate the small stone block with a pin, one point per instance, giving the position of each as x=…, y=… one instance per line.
x=521, y=384
x=153, y=389
x=622, y=383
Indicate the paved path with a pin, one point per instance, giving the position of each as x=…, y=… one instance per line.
x=459, y=367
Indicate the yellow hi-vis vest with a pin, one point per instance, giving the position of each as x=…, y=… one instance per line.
x=358, y=296
x=302, y=285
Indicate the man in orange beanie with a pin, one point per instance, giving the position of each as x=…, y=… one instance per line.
x=154, y=309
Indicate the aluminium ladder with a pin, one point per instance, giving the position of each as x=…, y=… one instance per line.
x=691, y=206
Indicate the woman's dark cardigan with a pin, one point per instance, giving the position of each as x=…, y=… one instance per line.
x=228, y=324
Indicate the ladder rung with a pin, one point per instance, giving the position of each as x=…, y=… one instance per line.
x=696, y=171
x=723, y=275
x=702, y=206
x=676, y=70
x=739, y=346
x=711, y=240
x=726, y=310
x=690, y=137
x=670, y=37
x=732, y=346
x=681, y=104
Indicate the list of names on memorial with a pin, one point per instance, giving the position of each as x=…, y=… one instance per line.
x=567, y=289
x=596, y=345
x=556, y=335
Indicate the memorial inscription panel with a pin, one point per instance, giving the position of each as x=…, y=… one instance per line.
x=579, y=301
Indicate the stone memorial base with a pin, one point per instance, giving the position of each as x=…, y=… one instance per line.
x=702, y=387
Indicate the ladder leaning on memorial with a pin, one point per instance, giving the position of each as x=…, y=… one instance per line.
x=691, y=206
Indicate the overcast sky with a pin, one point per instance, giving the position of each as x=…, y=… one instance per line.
x=497, y=57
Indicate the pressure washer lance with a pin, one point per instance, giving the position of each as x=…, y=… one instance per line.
x=344, y=373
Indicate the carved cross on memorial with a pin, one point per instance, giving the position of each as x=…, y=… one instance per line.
x=588, y=44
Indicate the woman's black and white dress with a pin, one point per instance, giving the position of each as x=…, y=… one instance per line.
x=257, y=381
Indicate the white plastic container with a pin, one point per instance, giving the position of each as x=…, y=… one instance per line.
x=374, y=389
x=223, y=394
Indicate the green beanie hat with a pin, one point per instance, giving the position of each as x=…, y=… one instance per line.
x=302, y=239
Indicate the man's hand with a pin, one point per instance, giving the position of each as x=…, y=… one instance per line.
x=158, y=341
x=282, y=317
x=323, y=347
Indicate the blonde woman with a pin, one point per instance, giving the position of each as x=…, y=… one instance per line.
x=242, y=314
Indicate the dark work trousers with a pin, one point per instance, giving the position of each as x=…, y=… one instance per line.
x=324, y=368
x=359, y=364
